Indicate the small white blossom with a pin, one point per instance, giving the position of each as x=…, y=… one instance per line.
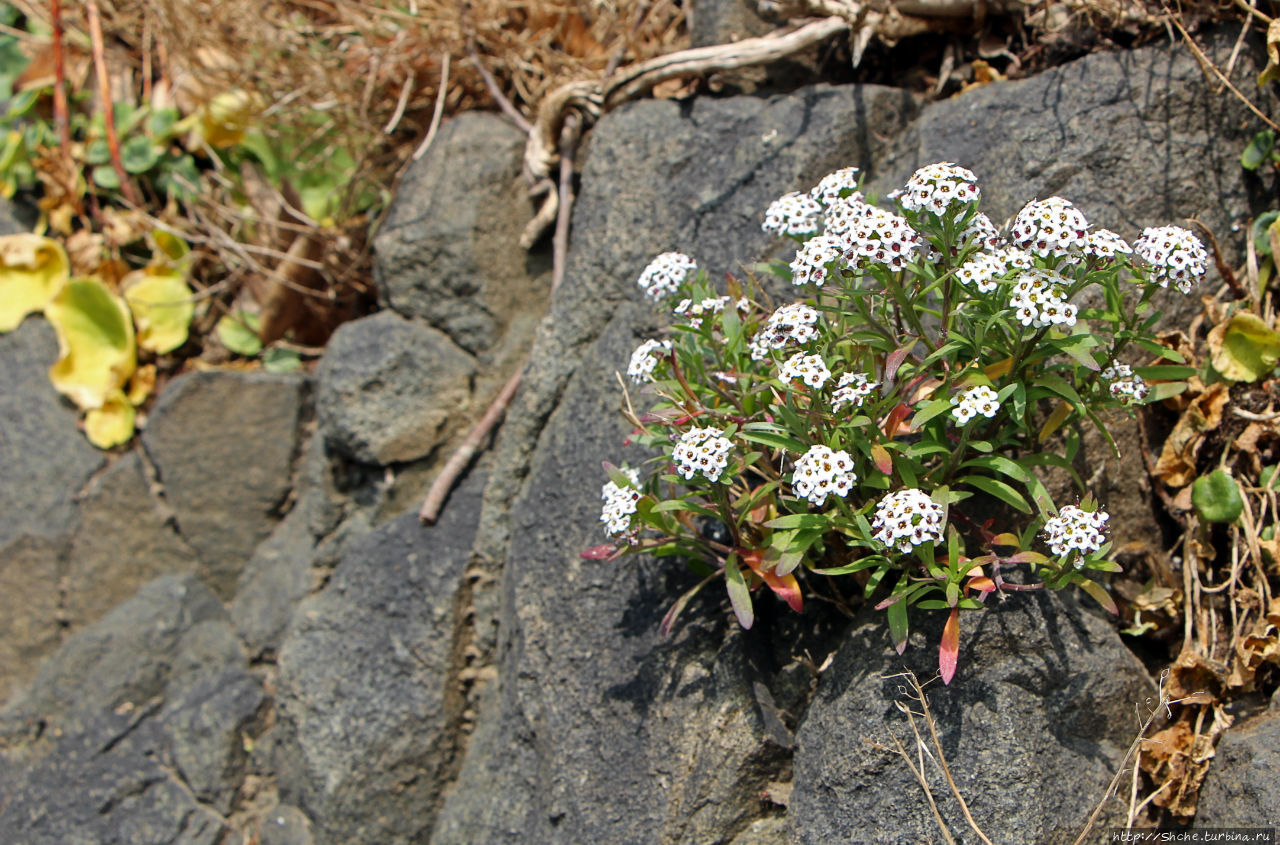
x=665, y=274
x=982, y=271
x=793, y=214
x=619, y=504
x=1126, y=385
x=1075, y=530
x=822, y=471
x=791, y=324
x=845, y=213
x=1174, y=255
x=974, y=401
x=810, y=369
x=1104, y=244
x=907, y=518
x=834, y=185
x=852, y=389
x=702, y=450
x=983, y=232
x=936, y=187
x=1038, y=299
x=1052, y=227
x=695, y=311
x=810, y=263
x=645, y=359
x=881, y=237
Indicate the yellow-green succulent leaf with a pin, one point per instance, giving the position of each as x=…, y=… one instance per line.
x=95, y=336
x=162, y=308
x=32, y=271
x=112, y=424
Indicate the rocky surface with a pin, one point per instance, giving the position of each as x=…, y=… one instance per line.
x=328, y=670
x=1241, y=789
x=388, y=387
x=223, y=445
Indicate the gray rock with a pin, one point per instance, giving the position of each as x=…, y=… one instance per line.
x=387, y=388
x=1240, y=789
x=283, y=825
x=722, y=21
x=44, y=460
x=448, y=252
x=600, y=730
x=121, y=542
x=133, y=730
x=30, y=573
x=277, y=578
x=223, y=444
x=16, y=217
x=368, y=703
x=1042, y=704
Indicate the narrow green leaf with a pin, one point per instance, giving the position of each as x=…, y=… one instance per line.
x=999, y=489
x=739, y=593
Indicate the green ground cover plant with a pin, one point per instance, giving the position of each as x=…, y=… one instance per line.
x=893, y=423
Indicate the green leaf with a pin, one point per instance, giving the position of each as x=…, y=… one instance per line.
x=998, y=489
x=280, y=360
x=739, y=594
x=105, y=177
x=929, y=411
x=1259, y=150
x=139, y=154
x=1216, y=497
x=1165, y=372
x=898, y=624
x=800, y=520
x=1100, y=595
x=777, y=441
x=1245, y=348
x=97, y=152
x=239, y=333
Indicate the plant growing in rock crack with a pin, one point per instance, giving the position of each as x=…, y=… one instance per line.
x=889, y=425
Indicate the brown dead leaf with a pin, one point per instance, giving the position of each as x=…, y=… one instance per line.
x=1177, y=759
x=1192, y=674
x=1256, y=432
x=678, y=88
x=1176, y=465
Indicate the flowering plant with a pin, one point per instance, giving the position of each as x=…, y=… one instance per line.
x=880, y=425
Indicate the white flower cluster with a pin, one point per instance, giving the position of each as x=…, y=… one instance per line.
x=695, y=311
x=1037, y=299
x=881, y=237
x=852, y=389
x=982, y=271
x=1103, y=244
x=810, y=369
x=1126, y=385
x=1075, y=529
x=822, y=471
x=936, y=186
x=907, y=518
x=810, y=263
x=795, y=323
x=793, y=214
x=704, y=450
x=974, y=401
x=1052, y=227
x=1175, y=255
x=984, y=232
x=619, y=504
x=834, y=185
x=645, y=359
x=666, y=273
x=844, y=214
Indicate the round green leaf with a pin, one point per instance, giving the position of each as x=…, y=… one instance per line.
x=138, y=154
x=239, y=333
x=1216, y=497
x=104, y=176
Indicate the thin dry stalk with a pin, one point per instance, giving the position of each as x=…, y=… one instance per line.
x=108, y=108
x=60, y=115
x=1208, y=67
x=918, y=771
x=439, y=111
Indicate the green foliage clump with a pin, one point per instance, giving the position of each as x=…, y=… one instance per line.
x=891, y=424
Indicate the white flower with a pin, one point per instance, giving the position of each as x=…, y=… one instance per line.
x=702, y=450
x=936, y=187
x=810, y=263
x=982, y=271
x=791, y=324
x=1075, y=530
x=665, y=274
x=793, y=214
x=1052, y=227
x=810, y=369
x=845, y=213
x=834, y=185
x=619, y=504
x=852, y=389
x=1174, y=255
x=822, y=471
x=1126, y=385
x=880, y=237
x=974, y=401
x=983, y=231
x=695, y=311
x=907, y=518
x=1104, y=244
x=645, y=358
x=1038, y=299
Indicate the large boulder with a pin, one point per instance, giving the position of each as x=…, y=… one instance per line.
x=1241, y=789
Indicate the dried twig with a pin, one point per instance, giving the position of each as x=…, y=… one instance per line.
x=1209, y=67
x=60, y=115
x=108, y=110
x=435, y=117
